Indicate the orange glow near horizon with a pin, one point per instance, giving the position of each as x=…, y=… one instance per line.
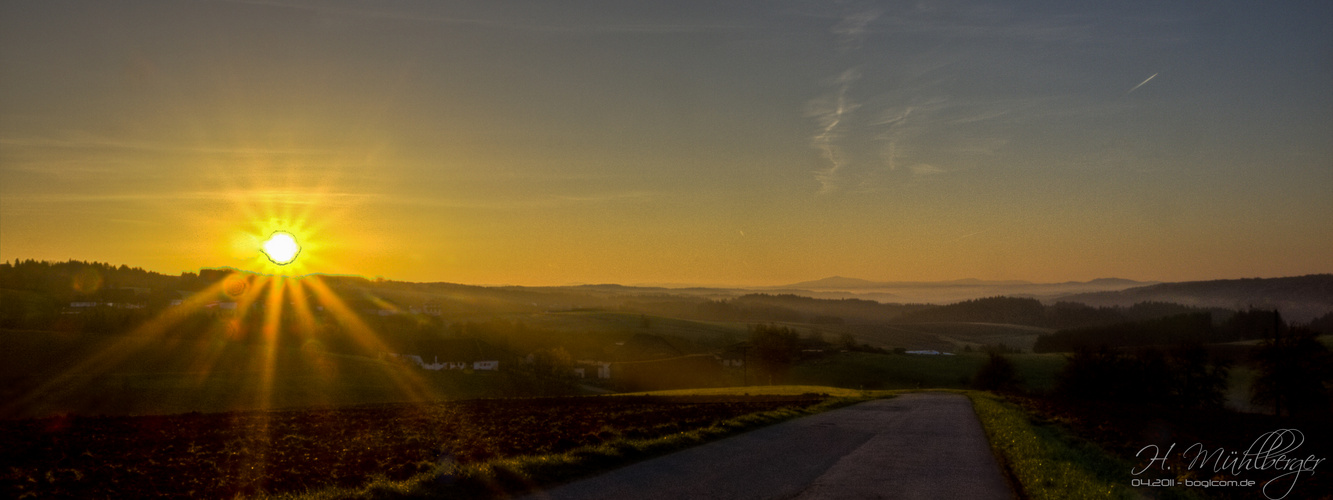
x=274, y=314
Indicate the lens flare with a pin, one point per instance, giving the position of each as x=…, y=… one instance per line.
x=281, y=248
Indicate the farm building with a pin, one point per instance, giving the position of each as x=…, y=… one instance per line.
x=454, y=354
x=601, y=369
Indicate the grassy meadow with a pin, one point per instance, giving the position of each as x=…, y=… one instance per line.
x=1045, y=461
x=46, y=373
x=766, y=390
x=859, y=370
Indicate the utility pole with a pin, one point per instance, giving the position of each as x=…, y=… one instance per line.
x=745, y=365
x=1278, y=375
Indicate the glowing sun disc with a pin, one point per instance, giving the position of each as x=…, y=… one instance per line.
x=281, y=248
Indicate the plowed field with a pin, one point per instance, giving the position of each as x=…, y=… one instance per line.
x=222, y=455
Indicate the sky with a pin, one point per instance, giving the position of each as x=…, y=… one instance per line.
x=739, y=143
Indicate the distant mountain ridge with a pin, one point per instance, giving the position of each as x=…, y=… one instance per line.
x=844, y=283
x=1300, y=298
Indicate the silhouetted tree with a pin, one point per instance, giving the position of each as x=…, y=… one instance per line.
x=554, y=362
x=1198, y=381
x=775, y=348
x=998, y=374
x=1185, y=378
x=1322, y=325
x=1251, y=324
x=1183, y=328
x=847, y=341
x=1295, y=369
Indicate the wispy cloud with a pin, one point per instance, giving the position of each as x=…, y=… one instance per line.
x=833, y=110
x=377, y=11
x=259, y=196
x=925, y=169
x=851, y=32
x=893, y=134
x=86, y=141
x=520, y=203
x=830, y=113
x=989, y=22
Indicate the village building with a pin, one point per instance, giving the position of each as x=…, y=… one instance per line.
x=454, y=354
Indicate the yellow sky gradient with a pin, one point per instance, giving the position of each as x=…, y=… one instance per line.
x=750, y=145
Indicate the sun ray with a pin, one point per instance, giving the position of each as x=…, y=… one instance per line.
x=311, y=346
x=90, y=369
x=228, y=330
x=271, y=330
x=412, y=385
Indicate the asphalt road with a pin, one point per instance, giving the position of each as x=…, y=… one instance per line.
x=923, y=445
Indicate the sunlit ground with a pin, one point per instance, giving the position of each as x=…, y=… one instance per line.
x=279, y=294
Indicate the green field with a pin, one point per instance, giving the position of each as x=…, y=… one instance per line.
x=594, y=334
x=951, y=336
x=886, y=371
x=624, y=322
x=766, y=390
x=1046, y=461
x=43, y=373
x=982, y=334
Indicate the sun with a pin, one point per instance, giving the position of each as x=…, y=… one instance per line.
x=281, y=248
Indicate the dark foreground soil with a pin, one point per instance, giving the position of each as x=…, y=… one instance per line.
x=223, y=455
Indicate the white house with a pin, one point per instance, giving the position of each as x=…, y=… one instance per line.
x=454, y=354
x=603, y=368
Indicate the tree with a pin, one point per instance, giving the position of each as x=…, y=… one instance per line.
x=1295, y=369
x=1323, y=324
x=998, y=374
x=1183, y=378
x=1199, y=382
x=775, y=348
x=555, y=362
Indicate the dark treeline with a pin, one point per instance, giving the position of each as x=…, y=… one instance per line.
x=797, y=309
x=39, y=295
x=774, y=349
x=1196, y=327
x=1183, y=376
x=1191, y=327
x=76, y=279
x=1322, y=324
x=1294, y=370
x=1031, y=312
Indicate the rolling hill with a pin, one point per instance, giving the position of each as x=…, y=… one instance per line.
x=944, y=292
x=1299, y=298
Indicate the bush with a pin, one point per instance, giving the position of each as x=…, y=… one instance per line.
x=998, y=374
x=1184, y=377
x=1294, y=373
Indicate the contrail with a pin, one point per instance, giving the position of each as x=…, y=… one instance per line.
x=1136, y=87
x=969, y=235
